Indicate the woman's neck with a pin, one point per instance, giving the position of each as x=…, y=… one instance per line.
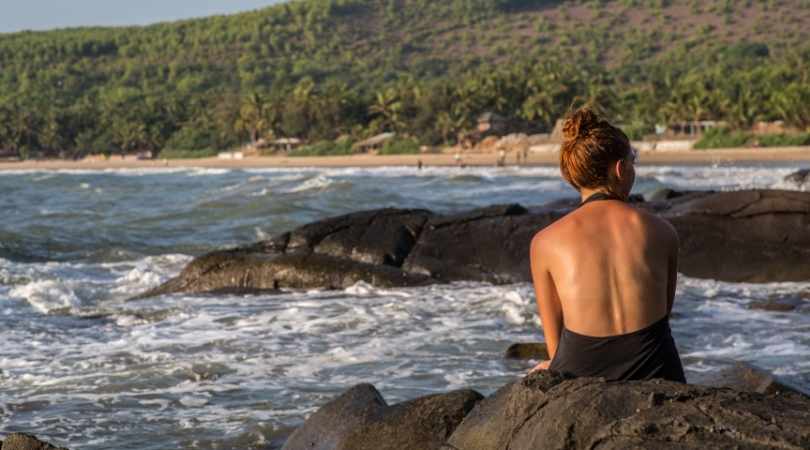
x=586, y=193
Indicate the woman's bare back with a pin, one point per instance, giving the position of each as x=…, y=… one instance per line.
x=613, y=267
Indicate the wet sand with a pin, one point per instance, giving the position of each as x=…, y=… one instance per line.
x=693, y=157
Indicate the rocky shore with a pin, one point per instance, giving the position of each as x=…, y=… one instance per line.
x=742, y=236
x=22, y=441
x=548, y=411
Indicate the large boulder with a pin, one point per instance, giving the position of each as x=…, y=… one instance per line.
x=752, y=236
x=747, y=377
x=548, y=411
x=360, y=419
x=490, y=244
x=22, y=441
x=744, y=236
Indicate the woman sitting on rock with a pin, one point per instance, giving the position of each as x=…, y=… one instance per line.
x=605, y=274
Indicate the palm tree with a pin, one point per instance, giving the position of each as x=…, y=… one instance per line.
x=253, y=117
x=386, y=108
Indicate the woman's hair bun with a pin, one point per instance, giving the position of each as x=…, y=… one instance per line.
x=579, y=123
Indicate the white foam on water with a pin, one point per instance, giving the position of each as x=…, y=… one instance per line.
x=46, y=296
x=317, y=183
x=720, y=177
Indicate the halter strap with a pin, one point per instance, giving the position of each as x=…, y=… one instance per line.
x=600, y=196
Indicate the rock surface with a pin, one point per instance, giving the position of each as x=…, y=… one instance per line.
x=22, y=441
x=750, y=236
x=527, y=350
x=360, y=419
x=547, y=411
x=746, y=377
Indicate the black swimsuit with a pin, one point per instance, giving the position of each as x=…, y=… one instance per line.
x=641, y=355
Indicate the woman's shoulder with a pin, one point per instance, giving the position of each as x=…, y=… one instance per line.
x=657, y=225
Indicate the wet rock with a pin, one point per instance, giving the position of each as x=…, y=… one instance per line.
x=547, y=411
x=750, y=378
x=744, y=236
x=360, y=419
x=22, y=441
x=529, y=350
x=255, y=273
x=800, y=178
x=383, y=236
x=773, y=306
x=478, y=248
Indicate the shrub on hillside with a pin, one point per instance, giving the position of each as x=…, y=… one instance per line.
x=405, y=146
x=325, y=148
x=187, y=154
x=722, y=138
x=784, y=140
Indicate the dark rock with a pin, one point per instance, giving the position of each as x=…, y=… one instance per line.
x=492, y=249
x=750, y=378
x=772, y=306
x=546, y=411
x=21, y=441
x=387, y=238
x=360, y=419
x=378, y=237
x=258, y=272
x=663, y=194
x=800, y=178
x=751, y=236
x=745, y=236
x=530, y=350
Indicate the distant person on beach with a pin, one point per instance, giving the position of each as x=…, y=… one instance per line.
x=605, y=274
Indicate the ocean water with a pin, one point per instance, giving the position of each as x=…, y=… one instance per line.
x=83, y=367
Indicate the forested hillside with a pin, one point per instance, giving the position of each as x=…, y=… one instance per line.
x=317, y=69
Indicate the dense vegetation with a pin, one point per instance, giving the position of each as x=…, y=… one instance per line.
x=320, y=69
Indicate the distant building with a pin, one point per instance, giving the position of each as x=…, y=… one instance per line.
x=231, y=155
x=9, y=155
x=285, y=144
x=491, y=123
x=775, y=127
x=692, y=129
x=373, y=144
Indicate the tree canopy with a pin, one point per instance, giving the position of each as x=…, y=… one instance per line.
x=320, y=69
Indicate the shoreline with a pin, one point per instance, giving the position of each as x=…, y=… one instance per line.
x=690, y=157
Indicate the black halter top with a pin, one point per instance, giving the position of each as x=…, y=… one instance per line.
x=600, y=196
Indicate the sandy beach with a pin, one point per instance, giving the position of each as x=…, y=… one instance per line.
x=692, y=157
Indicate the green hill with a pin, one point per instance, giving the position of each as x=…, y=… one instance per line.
x=317, y=69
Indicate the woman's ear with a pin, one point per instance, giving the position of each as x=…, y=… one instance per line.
x=619, y=169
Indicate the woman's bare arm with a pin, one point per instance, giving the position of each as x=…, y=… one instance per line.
x=548, y=302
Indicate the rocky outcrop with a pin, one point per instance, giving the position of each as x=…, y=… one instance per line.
x=753, y=236
x=745, y=236
x=360, y=419
x=548, y=411
x=22, y=441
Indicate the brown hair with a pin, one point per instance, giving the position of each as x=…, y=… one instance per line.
x=590, y=148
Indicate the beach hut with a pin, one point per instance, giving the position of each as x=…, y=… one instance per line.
x=373, y=144
x=692, y=128
x=9, y=155
x=285, y=144
x=491, y=123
